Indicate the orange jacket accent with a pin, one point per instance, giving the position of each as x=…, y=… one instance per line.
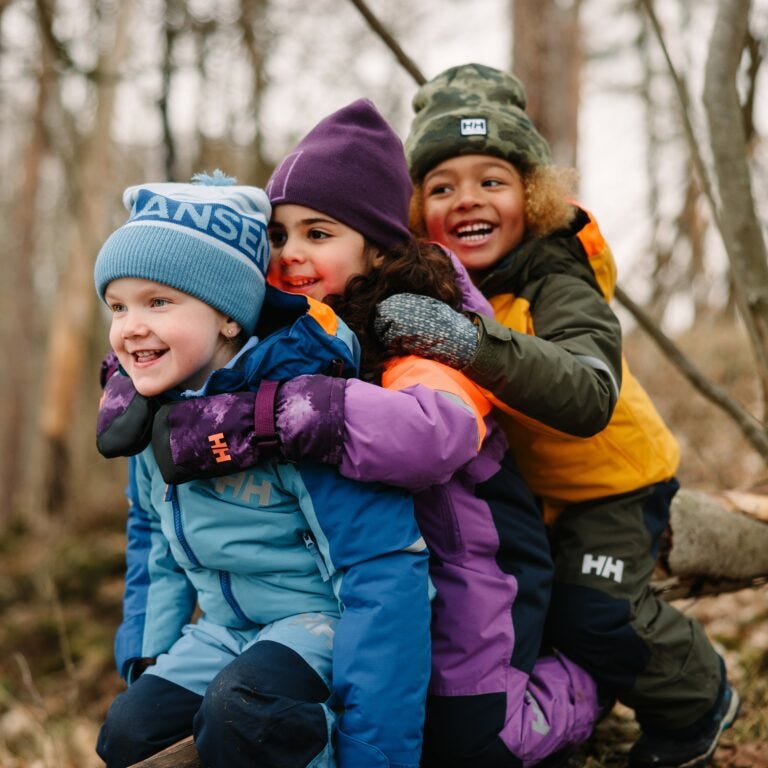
x=404, y=372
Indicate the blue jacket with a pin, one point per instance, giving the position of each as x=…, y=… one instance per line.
x=313, y=541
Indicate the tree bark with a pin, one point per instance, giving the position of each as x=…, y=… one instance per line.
x=253, y=24
x=70, y=320
x=547, y=57
x=19, y=297
x=742, y=235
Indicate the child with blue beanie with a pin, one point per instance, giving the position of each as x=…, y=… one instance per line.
x=305, y=620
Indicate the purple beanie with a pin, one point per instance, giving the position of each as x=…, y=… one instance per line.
x=350, y=166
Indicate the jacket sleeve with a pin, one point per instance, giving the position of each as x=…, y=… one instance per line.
x=158, y=598
x=381, y=649
x=567, y=376
x=413, y=432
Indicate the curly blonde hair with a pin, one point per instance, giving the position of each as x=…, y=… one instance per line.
x=548, y=191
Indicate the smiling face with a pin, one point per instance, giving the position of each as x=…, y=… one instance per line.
x=314, y=254
x=164, y=338
x=475, y=205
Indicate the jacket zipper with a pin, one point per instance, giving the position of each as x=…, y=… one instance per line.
x=225, y=579
x=178, y=525
x=311, y=545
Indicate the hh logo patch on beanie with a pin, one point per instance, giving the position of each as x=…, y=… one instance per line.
x=474, y=126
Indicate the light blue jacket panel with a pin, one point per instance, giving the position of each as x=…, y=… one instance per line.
x=240, y=541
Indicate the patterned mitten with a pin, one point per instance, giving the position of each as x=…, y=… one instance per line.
x=124, y=424
x=215, y=435
x=419, y=325
x=310, y=418
x=221, y=434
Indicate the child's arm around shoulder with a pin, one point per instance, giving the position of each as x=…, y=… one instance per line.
x=415, y=431
x=565, y=370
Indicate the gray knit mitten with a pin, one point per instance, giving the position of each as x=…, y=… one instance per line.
x=408, y=323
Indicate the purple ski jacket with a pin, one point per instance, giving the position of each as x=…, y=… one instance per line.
x=430, y=429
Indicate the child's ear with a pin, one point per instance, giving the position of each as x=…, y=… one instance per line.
x=374, y=256
x=231, y=328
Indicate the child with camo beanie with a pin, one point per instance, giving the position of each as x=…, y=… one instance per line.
x=265, y=555
x=586, y=436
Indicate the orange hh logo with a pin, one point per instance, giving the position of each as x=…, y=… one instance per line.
x=219, y=447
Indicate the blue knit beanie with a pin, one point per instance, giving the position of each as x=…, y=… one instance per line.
x=207, y=239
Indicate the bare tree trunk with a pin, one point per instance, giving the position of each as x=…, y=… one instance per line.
x=70, y=320
x=547, y=57
x=169, y=145
x=253, y=25
x=18, y=297
x=742, y=235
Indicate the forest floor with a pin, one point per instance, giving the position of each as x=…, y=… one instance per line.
x=61, y=585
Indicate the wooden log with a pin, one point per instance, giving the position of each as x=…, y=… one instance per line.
x=180, y=755
x=715, y=543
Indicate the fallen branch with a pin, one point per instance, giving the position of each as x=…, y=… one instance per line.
x=686, y=587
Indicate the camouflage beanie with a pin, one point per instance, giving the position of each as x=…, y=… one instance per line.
x=472, y=109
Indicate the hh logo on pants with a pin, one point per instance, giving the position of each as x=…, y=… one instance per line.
x=603, y=565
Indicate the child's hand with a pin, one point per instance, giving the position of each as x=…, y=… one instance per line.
x=419, y=325
x=124, y=424
x=137, y=668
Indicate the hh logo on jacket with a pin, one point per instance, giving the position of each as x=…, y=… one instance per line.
x=603, y=565
x=243, y=486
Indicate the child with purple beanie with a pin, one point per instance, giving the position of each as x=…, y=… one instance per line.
x=339, y=231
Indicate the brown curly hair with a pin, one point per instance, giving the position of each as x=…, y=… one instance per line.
x=414, y=267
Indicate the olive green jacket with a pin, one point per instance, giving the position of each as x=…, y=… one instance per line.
x=579, y=423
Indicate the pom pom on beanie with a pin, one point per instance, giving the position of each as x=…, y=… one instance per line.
x=472, y=109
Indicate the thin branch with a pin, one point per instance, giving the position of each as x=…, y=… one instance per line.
x=750, y=427
x=390, y=42
x=682, y=93
x=750, y=322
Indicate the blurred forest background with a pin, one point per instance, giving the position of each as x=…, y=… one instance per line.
x=662, y=107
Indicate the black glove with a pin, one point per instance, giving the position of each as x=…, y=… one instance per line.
x=137, y=668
